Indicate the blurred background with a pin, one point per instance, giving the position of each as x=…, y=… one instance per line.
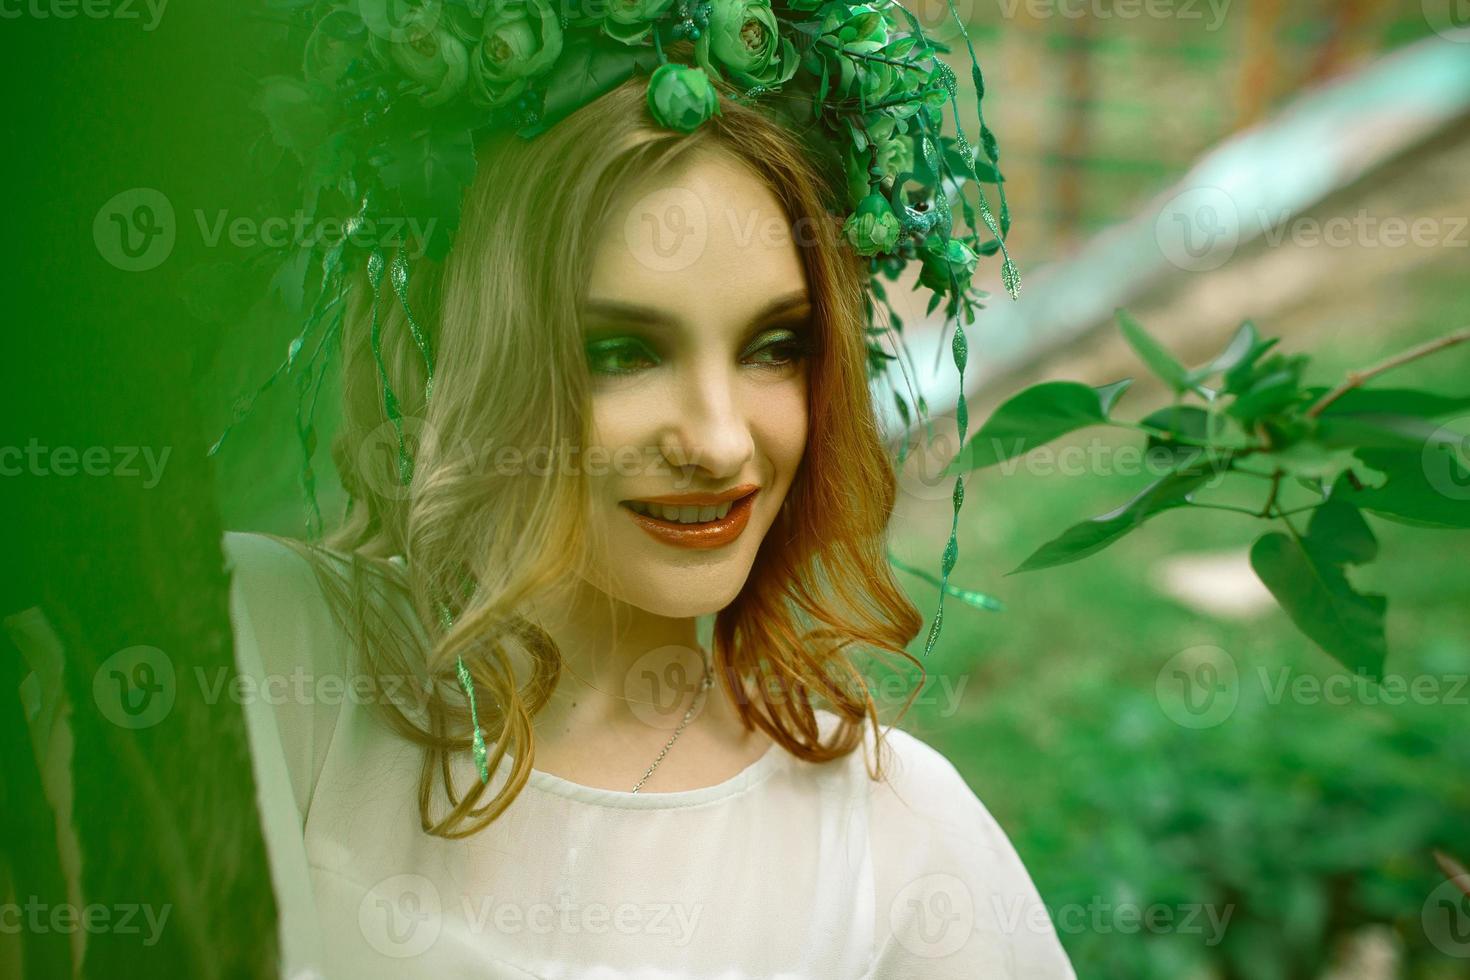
x=1197, y=789
x=1151, y=729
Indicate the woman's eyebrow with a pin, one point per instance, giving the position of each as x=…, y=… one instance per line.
x=605, y=309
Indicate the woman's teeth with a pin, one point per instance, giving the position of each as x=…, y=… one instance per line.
x=682, y=515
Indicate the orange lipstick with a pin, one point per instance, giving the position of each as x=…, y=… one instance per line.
x=703, y=534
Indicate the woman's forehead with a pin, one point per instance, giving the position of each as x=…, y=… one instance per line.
x=712, y=237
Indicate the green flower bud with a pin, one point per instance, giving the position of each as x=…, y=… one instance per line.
x=939, y=258
x=873, y=227
x=521, y=39
x=743, y=37
x=681, y=97
x=631, y=21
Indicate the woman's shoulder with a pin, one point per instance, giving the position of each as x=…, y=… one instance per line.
x=294, y=659
x=954, y=896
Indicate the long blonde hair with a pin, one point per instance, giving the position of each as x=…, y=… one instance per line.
x=511, y=375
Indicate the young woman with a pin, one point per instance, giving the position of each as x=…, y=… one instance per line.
x=649, y=411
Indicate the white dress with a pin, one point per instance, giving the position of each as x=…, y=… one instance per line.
x=789, y=869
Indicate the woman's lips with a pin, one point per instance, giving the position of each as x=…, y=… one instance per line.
x=708, y=534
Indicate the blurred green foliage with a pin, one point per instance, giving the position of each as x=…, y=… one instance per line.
x=1303, y=812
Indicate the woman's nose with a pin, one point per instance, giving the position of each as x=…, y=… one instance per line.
x=706, y=426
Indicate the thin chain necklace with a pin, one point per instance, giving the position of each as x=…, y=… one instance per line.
x=704, y=686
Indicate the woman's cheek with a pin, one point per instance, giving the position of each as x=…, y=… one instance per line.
x=782, y=424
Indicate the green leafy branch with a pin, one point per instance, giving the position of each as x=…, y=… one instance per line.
x=1247, y=415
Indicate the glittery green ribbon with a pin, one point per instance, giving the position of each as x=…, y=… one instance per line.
x=399, y=277
x=390, y=401
x=468, y=683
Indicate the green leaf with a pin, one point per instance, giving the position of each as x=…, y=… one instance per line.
x=1274, y=390
x=1307, y=577
x=430, y=169
x=1315, y=463
x=1034, y=417
x=1429, y=488
x=585, y=71
x=1245, y=341
x=1391, y=401
x=1089, y=537
x=297, y=113
x=1239, y=376
x=1153, y=354
x=1188, y=426
x=1381, y=431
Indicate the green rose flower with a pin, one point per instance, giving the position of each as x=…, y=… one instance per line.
x=743, y=37
x=681, y=97
x=939, y=258
x=434, y=58
x=873, y=227
x=520, y=40
x=631, y=21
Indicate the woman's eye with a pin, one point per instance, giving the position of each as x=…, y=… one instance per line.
x=615, y=357
x=786, y=348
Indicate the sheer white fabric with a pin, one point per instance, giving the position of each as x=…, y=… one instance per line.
x=787, y=870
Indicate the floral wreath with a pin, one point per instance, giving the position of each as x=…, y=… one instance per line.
x=392, y=94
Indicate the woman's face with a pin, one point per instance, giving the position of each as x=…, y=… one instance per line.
x=697, y=326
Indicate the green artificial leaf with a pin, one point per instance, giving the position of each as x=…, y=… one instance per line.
x=297, y=112
x=586, y=70
x=1034, y=417
x=901, y=47
x=1245, y=341
x=1091, y=536
x=1152, y=353
x=430, y=169
x=1429, y=488
x=1306, y=575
